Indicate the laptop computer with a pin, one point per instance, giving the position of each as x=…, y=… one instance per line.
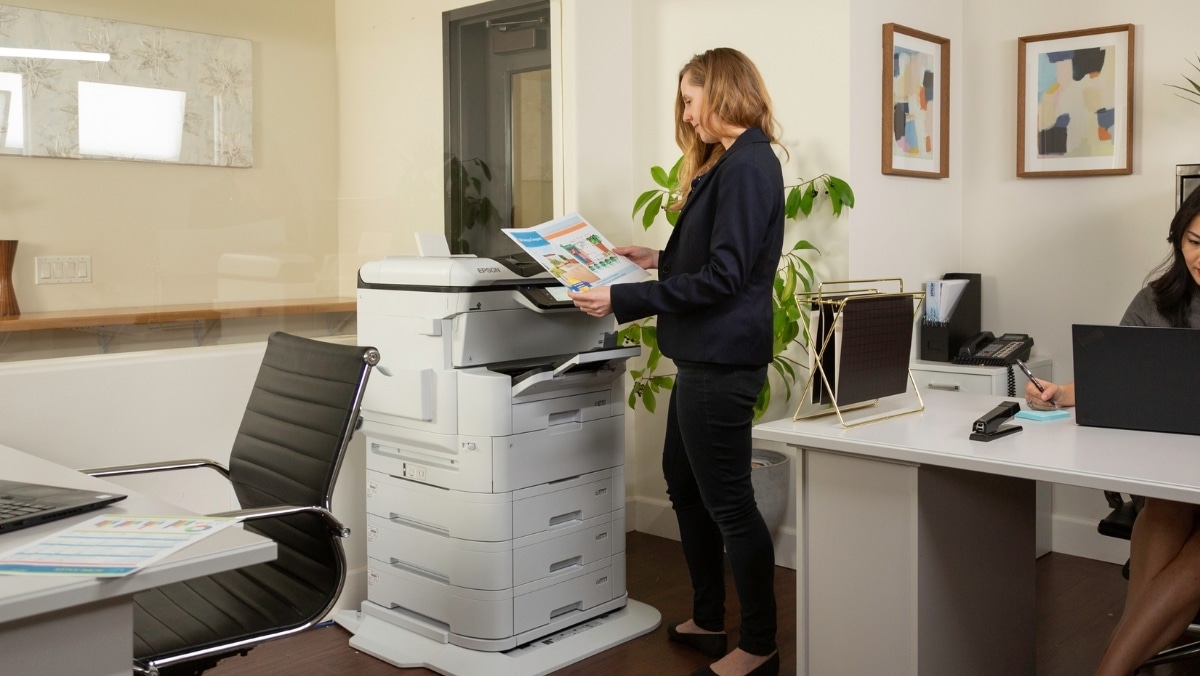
x=24, y=504
x=1136, y=377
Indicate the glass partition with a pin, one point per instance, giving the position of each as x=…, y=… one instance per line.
x=499, y=123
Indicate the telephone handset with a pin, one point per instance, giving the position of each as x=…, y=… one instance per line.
x=987, y=350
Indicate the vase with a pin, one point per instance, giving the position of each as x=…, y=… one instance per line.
x=8, y=295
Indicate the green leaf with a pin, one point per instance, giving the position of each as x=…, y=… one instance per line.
x=652, y=359
x=834, y=199
x=789, y=285
x=672, y=217
x=764, y=400
x=643, y=199
x=648, y=399
x=665, y=382
x=633, y=398
x=792, y=206
x=660, y=177
x=651, y=212
x=808, y=271
x=806, y=199
x=650, y=336
x=805, y=245
x=844, y=191
x=636, y=375
x=673, y=177
x=630, y=335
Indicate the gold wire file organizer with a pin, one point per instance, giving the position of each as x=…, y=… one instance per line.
x=860, y=340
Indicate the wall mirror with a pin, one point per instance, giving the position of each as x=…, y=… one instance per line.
x=84, y=87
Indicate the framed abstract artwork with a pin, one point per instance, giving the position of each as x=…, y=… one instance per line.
x=1075, y=103
x=916, y=103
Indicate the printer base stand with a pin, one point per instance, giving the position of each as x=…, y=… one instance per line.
x=405, y=649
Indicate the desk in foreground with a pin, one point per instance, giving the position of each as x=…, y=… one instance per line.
x=915, y=544
x=84, y=625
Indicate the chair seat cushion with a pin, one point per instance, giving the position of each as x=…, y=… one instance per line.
x=230, y=606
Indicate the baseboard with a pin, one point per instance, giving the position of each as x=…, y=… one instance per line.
x=354, y=592
x=1078, y=537
x=655, y=517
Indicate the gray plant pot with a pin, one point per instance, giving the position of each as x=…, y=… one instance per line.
x=769, y=474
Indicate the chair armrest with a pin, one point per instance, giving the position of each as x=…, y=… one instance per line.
x=241, y=515
x=148, y=467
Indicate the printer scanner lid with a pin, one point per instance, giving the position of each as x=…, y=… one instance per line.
x=452, y=272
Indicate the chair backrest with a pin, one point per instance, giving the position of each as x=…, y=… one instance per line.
x=300, y=416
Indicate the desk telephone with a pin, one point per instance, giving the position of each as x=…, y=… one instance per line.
x=987, y=350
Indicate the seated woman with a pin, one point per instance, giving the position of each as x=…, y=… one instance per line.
x=1164, y=561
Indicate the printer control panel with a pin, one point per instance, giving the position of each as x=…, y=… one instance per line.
x=545, y=298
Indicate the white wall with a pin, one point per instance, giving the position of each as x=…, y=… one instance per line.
x=903, y=226
x=1057, y=251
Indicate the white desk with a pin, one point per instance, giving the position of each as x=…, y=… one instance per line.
x=915, y=544
x=82, y=625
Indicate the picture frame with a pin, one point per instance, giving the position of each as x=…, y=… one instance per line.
x=1075, y=103
x=916, y=103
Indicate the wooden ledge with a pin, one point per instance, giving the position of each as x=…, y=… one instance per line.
x=159, y=314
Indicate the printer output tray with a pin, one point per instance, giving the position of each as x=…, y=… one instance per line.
x=594, y=365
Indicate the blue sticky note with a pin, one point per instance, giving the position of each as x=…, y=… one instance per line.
x=1057, y=414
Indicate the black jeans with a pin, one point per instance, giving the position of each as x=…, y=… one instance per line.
x=706, y=462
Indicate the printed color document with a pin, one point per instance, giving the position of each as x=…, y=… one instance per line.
x=576, y=253
x=109, y=545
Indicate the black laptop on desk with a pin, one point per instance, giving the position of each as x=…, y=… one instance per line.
x=1137, y=377
x=24, y=504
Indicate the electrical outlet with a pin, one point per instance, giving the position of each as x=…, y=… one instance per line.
x=62, y=270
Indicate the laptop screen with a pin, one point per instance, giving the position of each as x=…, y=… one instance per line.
x=1136, y=377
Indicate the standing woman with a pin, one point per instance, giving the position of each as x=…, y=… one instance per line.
x=713, y=299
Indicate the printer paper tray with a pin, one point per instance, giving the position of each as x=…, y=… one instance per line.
x=596, y=372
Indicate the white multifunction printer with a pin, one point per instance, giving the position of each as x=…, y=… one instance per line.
x=495, y=487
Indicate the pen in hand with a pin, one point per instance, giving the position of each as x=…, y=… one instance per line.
x=1036, y=403
x=1032, y=378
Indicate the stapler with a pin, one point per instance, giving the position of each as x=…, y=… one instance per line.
x=991, y=424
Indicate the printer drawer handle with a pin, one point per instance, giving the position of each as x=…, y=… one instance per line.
x=577, y=515
x=573, y=562
x=566, y=417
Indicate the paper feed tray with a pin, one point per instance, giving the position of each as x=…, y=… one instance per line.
x=599, y=365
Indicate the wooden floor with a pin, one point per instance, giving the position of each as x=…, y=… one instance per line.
x=1078, y=603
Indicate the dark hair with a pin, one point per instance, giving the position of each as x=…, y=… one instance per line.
x=1173, y=284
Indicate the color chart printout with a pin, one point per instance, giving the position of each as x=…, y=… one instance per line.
x=109, y=545
x=576, y=253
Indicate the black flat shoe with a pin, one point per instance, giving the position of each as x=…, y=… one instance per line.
x=768, y=668
x=712, y=645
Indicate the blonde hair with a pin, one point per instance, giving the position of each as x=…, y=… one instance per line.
x=734, y=94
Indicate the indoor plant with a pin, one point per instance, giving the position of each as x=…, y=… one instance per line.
x=794, y=273
x=1192, y=94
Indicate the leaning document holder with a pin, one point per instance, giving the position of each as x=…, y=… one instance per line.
x=860, y=340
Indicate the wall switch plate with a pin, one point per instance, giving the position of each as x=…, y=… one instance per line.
x=62, y=270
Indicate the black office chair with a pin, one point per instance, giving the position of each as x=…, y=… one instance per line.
x=1119, y=524
x=301, y=414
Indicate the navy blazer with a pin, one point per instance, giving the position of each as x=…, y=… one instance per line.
x=713, y=296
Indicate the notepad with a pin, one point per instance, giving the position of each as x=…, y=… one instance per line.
x=1043, y=415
